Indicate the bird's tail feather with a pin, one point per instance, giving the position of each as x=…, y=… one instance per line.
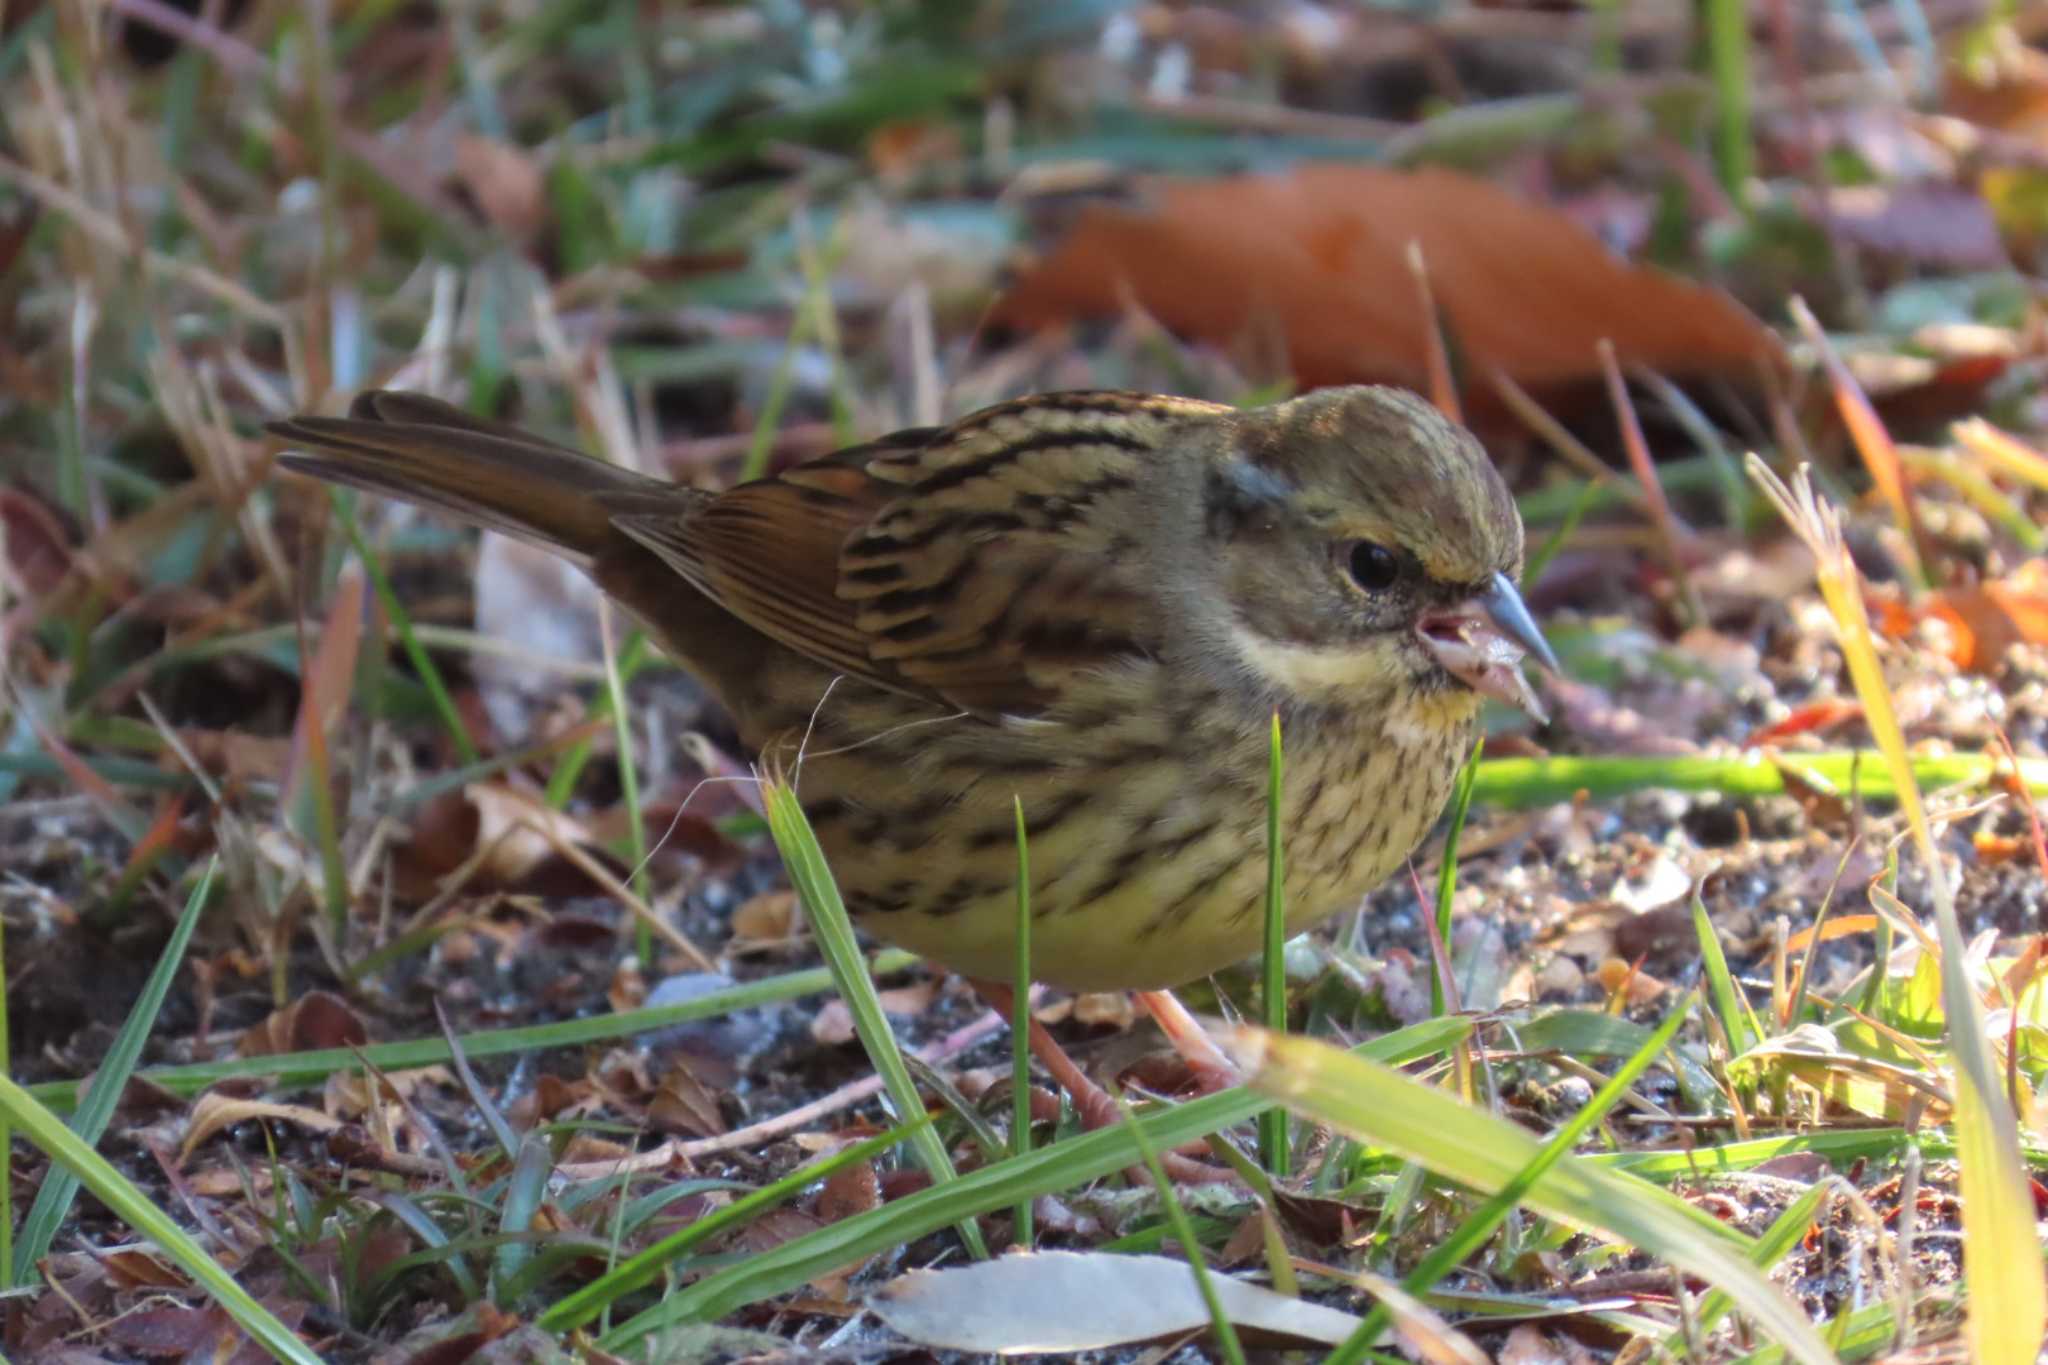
x=422, y=450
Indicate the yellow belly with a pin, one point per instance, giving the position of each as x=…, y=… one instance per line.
x=1147, y=879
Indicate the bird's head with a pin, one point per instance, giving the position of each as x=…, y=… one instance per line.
x=1360, y=549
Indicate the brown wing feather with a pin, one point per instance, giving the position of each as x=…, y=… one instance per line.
x=976, y=565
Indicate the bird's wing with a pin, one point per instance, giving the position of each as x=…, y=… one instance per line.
x=984, y=565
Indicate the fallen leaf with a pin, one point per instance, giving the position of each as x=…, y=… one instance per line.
x=684, y=1105
x=769, y=918
x=848, y=1191
x=1104, y=1300
x=213, y=1112
x=36, y=539
x=1318, y=257
x=315, y=1021
x=1975, y=624
x=506, y=183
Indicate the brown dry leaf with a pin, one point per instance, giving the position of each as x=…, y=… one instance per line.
x=1106, y=1009
x=1319, y=256
x=501, y=824
x=36, y=540
x=235, y=755
x=315, y=1021
x=684, y=1105
x=133, y=1268
x=767, y=919
x=506, y=183
x=213, y=1112
x=833, y=1024
x=850, y=1190
x=1976, y=624
x=330, y=679
x=350, y=1095
x=202, y=1331
x=1614, y=974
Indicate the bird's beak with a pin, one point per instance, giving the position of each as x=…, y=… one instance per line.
x=1482, y=641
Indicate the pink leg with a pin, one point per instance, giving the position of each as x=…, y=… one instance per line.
x=1213, y=1071
x=1091, y=1101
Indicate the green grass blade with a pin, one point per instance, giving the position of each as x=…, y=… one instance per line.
x=1480, y=1226
x=1020, y=1027
x=302, y=1068
x=562, y=781
x=1183, y=1230
x=1523, y=782
x=1456, y=1142
x=401, y=621
x=834, y=931
x=1447, y=872
x=644, y=1268
x=53, y=1200
x=1738, y=1021
x=1273, y=1123
x=83, y=1165
x=1046, y=1170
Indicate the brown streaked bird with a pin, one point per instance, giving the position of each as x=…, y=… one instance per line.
x=1094, y=602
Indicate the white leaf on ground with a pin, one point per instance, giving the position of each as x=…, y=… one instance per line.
x=1083, y=1301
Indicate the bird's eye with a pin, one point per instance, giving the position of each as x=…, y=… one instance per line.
x=1373, y=567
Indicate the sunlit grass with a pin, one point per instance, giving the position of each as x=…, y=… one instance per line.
x=2008, y=1293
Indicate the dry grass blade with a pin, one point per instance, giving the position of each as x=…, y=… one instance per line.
x=1873, y=443
x=2008, y=1295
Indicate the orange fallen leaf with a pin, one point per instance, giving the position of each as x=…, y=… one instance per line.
x=1977, y=623
x=1318, y=257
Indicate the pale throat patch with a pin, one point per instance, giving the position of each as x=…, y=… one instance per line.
x=1333, y=674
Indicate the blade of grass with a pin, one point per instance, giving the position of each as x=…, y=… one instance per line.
x=2008, y=1292
x=525, y=1191
x=632, y=657
x=1273, y=1123
x=643, y=1268
x=304, y=1068
x=1480, y=1226
x=1020, y=1027
x=1738, y=1021
x=53, y=1201
x=1728, y=65
x=1377, y=1104
x=1638, y=449
x=1523, y=782
x=82, y=1165
x=401, y=621
x=1184, y=1232
x=1447, y=871
x=1874, y=444
x=1046, y=1170
x=629, y=778
x=819, y=895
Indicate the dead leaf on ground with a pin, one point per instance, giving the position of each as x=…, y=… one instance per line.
x=683, y=1104
x=505, y=831
x=1104, y=1300
x=506, y=183
x=213, y=1112
x=1318, y=258
x=833, y=1023
x=1974, y=625
x=314, y=1022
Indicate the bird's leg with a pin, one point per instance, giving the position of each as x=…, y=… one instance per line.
x=1213, y=1071
x=1091, y=1102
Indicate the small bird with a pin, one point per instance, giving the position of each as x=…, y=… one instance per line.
x=1094, y=603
